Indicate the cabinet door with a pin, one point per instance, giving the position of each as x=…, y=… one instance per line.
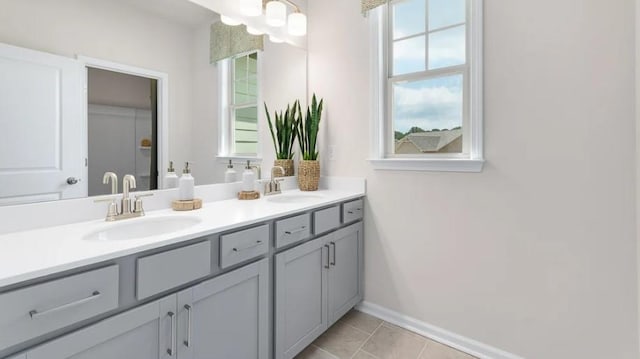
x=345, y=282
x=226, y=317
x=301, y=297
x=142, y=333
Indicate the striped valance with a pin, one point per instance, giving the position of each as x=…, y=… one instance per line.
x=371, y=4
x=228, y=41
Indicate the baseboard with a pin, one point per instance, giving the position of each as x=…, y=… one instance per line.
x=464, y=344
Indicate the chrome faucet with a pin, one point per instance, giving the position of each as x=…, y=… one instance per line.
x=128, y=183
x=273, y=186
x=113, y=178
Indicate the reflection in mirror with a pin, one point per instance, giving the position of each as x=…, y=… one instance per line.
x=89, y=86
x=122, y=126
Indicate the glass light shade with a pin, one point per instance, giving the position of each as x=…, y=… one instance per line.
x=275, y=40
x=297, y=25
x=276, y=14
x=251, y=7
x=229, y=21
x=254, y=31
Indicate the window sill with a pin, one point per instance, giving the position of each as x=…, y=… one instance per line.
x=436, y=165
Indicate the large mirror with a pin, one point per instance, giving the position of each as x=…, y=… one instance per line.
x=90, y=86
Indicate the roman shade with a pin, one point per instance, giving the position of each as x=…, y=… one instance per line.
x=372, y=4
x=228, y=41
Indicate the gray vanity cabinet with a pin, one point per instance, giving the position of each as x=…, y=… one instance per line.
x=345, y=260
x=301, y=296
x=226, y=317
x=316, y=284
x=142, y=333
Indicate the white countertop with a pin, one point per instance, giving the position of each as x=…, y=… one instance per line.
x=36, y=253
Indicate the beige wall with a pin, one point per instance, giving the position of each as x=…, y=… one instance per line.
x=536, y=255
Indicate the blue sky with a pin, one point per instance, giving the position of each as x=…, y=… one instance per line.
x=435, y=103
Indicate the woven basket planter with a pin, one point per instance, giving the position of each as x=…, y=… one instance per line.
x=287, y=165
x=308, y=175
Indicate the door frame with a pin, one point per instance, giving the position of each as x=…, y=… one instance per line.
x=163, y=103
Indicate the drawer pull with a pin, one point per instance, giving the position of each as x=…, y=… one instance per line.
x=333, y=245
x=301, y=229
x=258, y=243
x=34, y=314
x=352, y=212
x=172, y=349
x=328, y=251
x=187, y=343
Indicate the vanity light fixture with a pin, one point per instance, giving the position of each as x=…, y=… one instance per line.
x=275, y=16
x=254, y=31
x=276, y=13
x=251, y=7
x=229, y=21
x=297, y=25
x=297, y=21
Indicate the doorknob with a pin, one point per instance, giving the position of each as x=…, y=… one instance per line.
x=72, y=180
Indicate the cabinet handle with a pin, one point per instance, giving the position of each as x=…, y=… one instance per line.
x=327, y=247
x=247, y=247
x=172, y=350
x=357, y=209
x=34, y=314
x=187, y=343
x=301, y=229
x=333, y=244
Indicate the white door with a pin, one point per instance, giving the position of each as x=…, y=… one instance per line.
x=42, y=128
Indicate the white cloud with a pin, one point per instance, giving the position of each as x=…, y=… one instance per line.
x=431, y=106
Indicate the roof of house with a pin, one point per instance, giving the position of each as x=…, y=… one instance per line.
x=432, y=141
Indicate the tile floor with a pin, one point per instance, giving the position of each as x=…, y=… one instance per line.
x=361, y=336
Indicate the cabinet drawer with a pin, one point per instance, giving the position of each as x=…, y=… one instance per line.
x=292, y=230
x=163, y=271
x=33, y=311
x=352, y=211
x=243, y=245
x=326, y=220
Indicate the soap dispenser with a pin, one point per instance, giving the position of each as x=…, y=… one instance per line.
x=230, y=175
x=248, y=179
x=185, y=192
x=171, y=179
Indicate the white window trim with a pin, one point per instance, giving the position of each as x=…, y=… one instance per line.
x=225, y=152
x=379, y=74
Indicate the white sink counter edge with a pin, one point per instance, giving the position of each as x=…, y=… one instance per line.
x=41, y=252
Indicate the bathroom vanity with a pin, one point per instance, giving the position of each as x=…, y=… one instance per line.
x=257, y=279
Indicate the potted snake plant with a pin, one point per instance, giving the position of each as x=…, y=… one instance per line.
x=284, y=135
x=307, y=133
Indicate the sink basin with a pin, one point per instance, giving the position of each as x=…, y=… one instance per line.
x=142, y=227
x=294, y=198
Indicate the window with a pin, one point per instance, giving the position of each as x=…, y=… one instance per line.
x=240, y=92
x=428, y=61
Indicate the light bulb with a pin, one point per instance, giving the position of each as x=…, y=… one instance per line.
x=251, y=7
x=276, y=14
x=229, y=21
x=297, y=25
x=254, y=31
x=275, y=40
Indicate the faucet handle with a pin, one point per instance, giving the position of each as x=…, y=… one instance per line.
x=112, y=212
x=105, y=199
x=137, y=205
x=138, y=196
